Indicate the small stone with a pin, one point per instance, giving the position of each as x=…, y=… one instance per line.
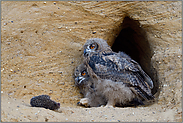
x=12, y=21
x=50, y=72
x=8, y=43
x=76, y=22
x=54, y=3
x=94, y=32
x=62, y=83
x=44, y=2
x=5, y=24
x=2, y=92
x=60, y=72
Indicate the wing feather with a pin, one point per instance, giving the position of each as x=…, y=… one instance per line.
x=108, y=65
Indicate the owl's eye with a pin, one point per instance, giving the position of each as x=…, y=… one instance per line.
x=92, y=46
x=83, y=73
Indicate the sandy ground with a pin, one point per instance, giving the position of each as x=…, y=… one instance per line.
x=41, y=44
x=17, y=110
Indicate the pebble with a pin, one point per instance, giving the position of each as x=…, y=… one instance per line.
x=1, y=91
x=94, y=32
x=44, y=2
x=50, y=72
x=8, y=43
x=54, y=3
x=59, y=72
x=2, y=70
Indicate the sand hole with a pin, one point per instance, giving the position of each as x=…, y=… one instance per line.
x=132, y=40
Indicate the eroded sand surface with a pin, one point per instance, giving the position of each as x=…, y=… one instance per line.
x=41, y=44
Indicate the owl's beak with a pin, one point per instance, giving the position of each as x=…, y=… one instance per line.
x=86, y=52
x=77, y=79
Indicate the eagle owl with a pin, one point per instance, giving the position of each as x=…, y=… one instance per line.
x=87, y=88
x=117, y=77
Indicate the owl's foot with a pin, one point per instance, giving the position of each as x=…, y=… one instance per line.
x=83, y=102
x=110, y=104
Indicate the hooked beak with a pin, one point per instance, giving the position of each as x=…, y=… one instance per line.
x=85, y=53
x=79, y=79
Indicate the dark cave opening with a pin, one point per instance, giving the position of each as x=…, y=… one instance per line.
x=132, y=40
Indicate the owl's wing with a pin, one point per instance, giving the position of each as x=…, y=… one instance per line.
x=108, y=65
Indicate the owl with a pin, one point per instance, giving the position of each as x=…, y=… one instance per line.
x=87, y=88
x=117, y=76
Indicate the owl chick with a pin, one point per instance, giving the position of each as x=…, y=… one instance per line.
x=87, y=88
x=119, y=78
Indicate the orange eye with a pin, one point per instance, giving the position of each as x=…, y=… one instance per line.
x=92, y=47
x=83, y=73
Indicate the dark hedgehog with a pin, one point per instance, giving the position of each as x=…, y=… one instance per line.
x=45, y=102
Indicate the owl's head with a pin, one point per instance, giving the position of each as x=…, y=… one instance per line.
x=81, y=75
x=94, y=45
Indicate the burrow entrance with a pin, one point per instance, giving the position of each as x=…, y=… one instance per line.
x=132, y=40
